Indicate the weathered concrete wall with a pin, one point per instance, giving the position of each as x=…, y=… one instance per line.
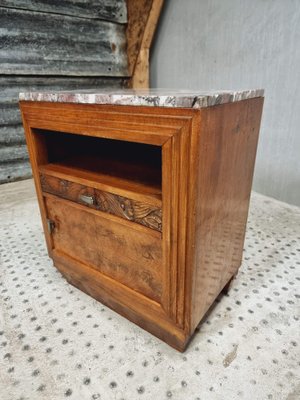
x=54, y=45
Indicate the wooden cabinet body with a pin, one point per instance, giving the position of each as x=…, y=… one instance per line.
x=145, y=208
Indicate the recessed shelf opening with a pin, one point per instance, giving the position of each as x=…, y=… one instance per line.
x=131, y=166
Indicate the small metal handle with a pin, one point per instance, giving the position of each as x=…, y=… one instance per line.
x=50, y=225
x=86, y=199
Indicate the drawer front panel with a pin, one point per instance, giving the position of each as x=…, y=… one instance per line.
x=129, y=256
x=65, y=189
x=132, y=210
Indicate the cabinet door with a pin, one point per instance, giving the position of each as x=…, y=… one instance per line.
x=128, y=253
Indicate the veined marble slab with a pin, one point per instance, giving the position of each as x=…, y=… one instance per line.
x=145, y=97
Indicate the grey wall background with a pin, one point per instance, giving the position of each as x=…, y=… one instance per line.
x=234, y=44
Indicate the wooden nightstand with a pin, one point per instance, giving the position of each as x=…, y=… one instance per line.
x=144, y=196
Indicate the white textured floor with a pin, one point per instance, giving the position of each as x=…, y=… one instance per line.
x=58, y=343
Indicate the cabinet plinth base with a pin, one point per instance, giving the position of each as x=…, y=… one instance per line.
x=163, y=330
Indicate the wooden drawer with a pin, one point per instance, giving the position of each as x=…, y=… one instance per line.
x=129, y=209
x=130, y=256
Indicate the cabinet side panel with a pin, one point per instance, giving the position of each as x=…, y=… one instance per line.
x=227, y=150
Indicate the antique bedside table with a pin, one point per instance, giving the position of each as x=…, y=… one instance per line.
x=144, y=196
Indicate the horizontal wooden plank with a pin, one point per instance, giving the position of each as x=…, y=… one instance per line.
x=110, y=10
x=51, y=44
x=90, y=179
x=13, y=171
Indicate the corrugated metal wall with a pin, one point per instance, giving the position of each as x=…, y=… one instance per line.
x=56, y=45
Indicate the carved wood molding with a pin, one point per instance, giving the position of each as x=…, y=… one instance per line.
x=123, y=207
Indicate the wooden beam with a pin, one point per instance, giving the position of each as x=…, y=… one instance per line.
x=142, y=21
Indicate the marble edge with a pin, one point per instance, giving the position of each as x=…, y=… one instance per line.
x=176, y=99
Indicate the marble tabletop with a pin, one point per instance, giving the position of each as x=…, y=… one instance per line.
x=145, y=97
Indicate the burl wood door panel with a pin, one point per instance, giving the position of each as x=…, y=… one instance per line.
x=130, y=256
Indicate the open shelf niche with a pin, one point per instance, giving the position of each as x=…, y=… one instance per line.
x=129, y=166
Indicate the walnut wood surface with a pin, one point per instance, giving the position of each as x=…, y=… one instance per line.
x=137, y=308
x=143, y=17
x=111, y=184
x=225, y=164
x=135, y=211
x=141, y=213
x=207, y=167
x=112, y=248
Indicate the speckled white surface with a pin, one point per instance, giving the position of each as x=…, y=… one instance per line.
x=58, y=343
x=146, y=97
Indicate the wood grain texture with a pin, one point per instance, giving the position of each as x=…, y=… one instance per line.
x=140, y=310
x=112, y=248
x=143, y=17
x=135, y=211
x=138, y=13
x=66, y=189
x=29, y=45
x=207, y=166
x=138, y=124
x=131, y=210
x=104, y=182
x=110, y=10
x=225, y=164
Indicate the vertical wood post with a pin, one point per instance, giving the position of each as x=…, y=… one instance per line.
x=142, y=21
